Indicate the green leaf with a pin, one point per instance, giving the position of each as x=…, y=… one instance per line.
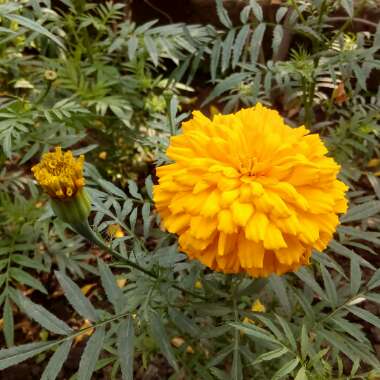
x=133, y=190
x=8, y=327
x=215, y=59
x=348, y=6
x=236, y=370
x=329, y=287
x=184, y=324
x=355, y=277
x=344, y=251
x=223, y=14
x=111, y=188
x=274, y=354
x=239, y=44
x=152, y=49
x=27, y=279
x=256, y=41
x=288, y=332
x=365, y=315
x=278, y=284
x=76, y=298
x=255, y=331
x=227, y=49
x=46, y=319
x=278, y=34
x=301, y=374
x=56, y=361
x=257, y=10
x=91, y=354
x=286, y=369
x=362, y=211
x=125, y=347
x=30, y=24
x=15, y=355
x=305, y=275
x=113, y=292
x=159, y=334
x=226, y=84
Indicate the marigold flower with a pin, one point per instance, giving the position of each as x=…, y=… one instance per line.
x=60, y=174
x=249, y=193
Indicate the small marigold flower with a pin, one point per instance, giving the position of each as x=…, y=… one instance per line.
x=248, y=193
x=115, y=231
x=258, y=307
x=61, y=176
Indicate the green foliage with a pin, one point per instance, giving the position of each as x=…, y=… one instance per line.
x=77, y=74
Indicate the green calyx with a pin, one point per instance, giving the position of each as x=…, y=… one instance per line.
x=73, y=210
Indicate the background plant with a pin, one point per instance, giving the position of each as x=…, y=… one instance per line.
x=77, y=74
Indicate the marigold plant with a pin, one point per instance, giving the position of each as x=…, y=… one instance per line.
x=249, y=193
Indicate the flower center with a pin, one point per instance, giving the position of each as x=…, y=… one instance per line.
x=248, y=165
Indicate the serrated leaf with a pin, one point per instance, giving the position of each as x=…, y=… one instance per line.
x=329, y=286
x=46, y=319
x=133, y=190
x=223, y=14
x=56, y=361
x=257, y=10
x=278, y=34
x=77, y=300
x=239, y=44
x=15, y=355
x=111, y=188
x=27, y=279
x=113, y=292
x=365, y=315
x=185, y=324
x=277, y=283
x=228, y=83
x=286, y=369
x=215, y=59
x=281, y=12
x=255, y=331
x=355, y=277
x=256, y=41
x=361, y=212
x=91, y=354
x=306, y=277
x=274, y=354
x=125, y=347
x=8, y=327
x=151, y=48
x=288, y=332
x=159, y=334
x=227, y=49
x=30, y=24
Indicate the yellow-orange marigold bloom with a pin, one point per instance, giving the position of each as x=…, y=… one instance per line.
x=60, y=174
x=249, y=193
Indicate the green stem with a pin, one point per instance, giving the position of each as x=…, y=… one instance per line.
x=44, y=94
x=85, y=230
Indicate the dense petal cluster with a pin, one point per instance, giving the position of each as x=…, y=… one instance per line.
x=60, y=174
x=248, y=193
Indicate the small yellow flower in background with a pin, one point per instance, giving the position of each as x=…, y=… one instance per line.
x=258, y=307
x=103, y=155
x=247, y=193
x=61, y=176
x=198, y=285
x=373, y=163
x=50, y=75
x=115, y=231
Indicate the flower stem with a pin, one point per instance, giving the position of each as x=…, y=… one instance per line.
x=85, y=230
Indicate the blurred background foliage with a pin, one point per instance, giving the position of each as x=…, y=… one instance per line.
x=103, y=79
